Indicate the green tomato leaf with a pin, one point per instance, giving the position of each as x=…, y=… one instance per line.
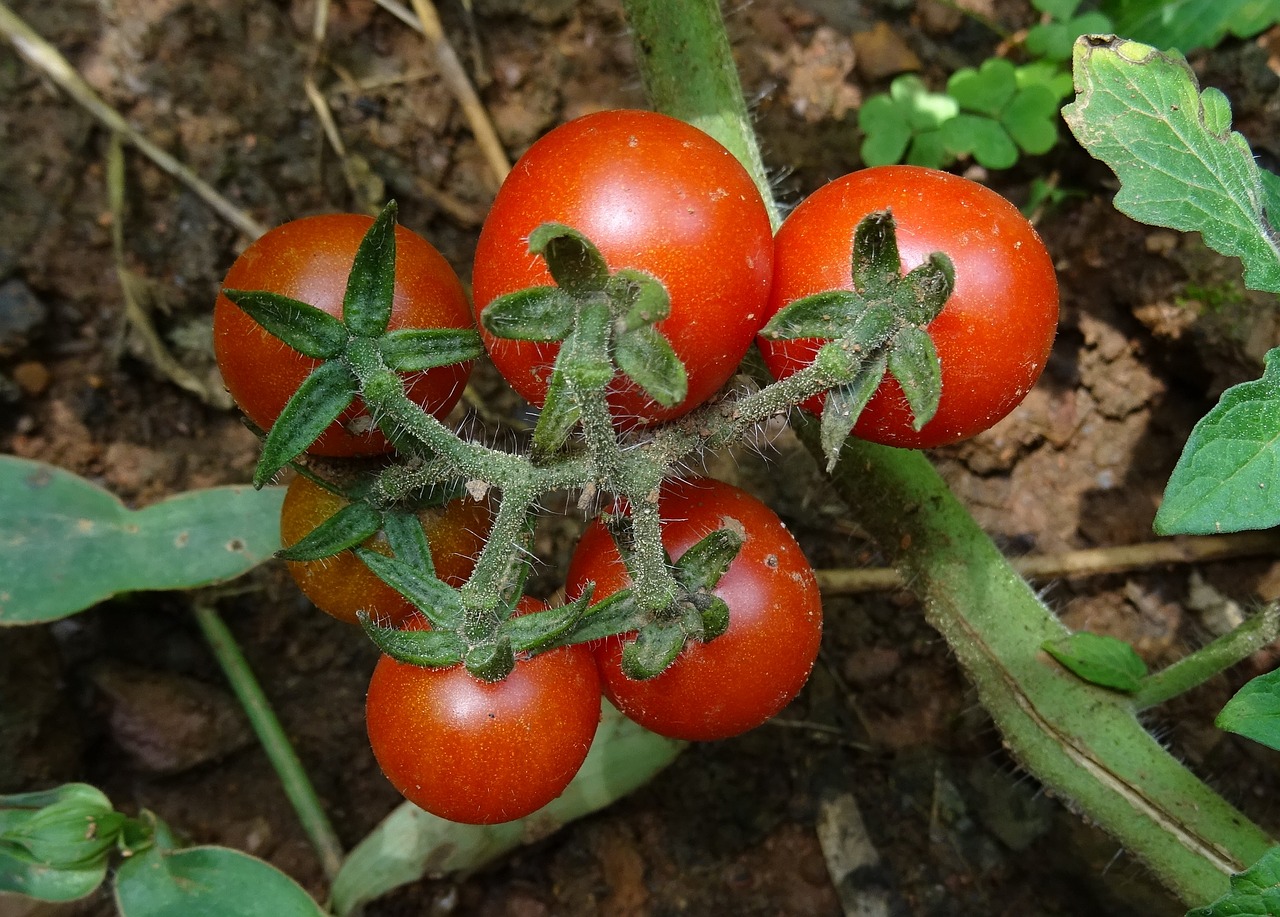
x=1189, y=24
x=843, y=406
x=1254, y=712
x=67, y=544
x=639, y=299
x=321, y=397
x=354, y=524
x=308, y=330
x=1180, y=166
x=1099, y=660
x=913, y=361
x=823, y=316
x=371, y=286
x=574, y=262
x=654, y=648
x=560, y=414
x=986, y=90
x=207, y=882
x=1228, y=476
x=409, y=350
x=647, y=358
x=704, y=562
x=437, y=600
x=1254, y=892
x=410, y=843
x=533, y=314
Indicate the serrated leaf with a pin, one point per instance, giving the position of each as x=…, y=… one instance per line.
x=986, y=90
x=198, y=881
x=646, y=358
x=371, y=286
x=308, y=330
x=438, y=602
x=572, y=259
x=1141, y=113
x=408, y=350
x=913, y=361
x=844, y=404
x=822, y=315
x=353, y=524
x=640, y=299
x=1228, y=476
x=429, y=648
x=321, y=397
x=67, y=544
x=1254, y=892
x=1099, y=660
x=533, y=314
x=1189, y=24
x=1254, y=712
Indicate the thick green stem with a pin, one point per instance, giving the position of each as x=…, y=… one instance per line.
x=1083, y=742
x=1198, y=667
x=275, y=743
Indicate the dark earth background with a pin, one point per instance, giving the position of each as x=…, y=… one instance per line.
x=127, y=697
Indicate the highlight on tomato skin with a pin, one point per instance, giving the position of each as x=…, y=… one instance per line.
x=994, y=334
x=342, y=586
x=480, y=752
x=653, y=194
x=749, y=673
x=309, y=259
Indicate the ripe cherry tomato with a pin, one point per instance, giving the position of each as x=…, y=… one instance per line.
x=484, y=752
x=309, y=260
x=342, y=585
x=654, y=194
x=994, y=334
x=755, y=668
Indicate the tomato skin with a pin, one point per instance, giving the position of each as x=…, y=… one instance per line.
x=484, y=752
x=309, y=260
x=653, y=194
x=993, y=336
x=342, y=585
x=746, y=675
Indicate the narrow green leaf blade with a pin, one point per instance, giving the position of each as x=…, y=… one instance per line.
x=22, y=874
x=640, y=299
x=1254, y=712
x=655, y=647
x=704, y=562
x=408, y=350
x=823, y=315
x=354, y=524
x=408, y=541
x=572, y=259
x=205, y=882
x=1179, y=163
x=1228, y=477
x=438, y=601
x=533, y=314
x=1254, y=892
x=1099, y=660
x=844, y=404
x=560, y=414
x=371, y=286
x=541, y=628
x=913, y=361
x=647, y=359
x=67, y=544
x=430, y=648
x=308, y=330
x=321, y=397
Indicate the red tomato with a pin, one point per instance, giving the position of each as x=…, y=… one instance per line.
x=994, y=334
x=342, y=585
x=309, y=260
x=654, y=194
x=484, y=752
x=755, y=668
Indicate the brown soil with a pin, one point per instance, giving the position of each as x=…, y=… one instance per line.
x=127, y=697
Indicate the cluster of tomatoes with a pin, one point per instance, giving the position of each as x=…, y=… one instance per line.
x=657, y=196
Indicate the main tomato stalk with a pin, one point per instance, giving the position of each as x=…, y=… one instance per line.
x=623, y=327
